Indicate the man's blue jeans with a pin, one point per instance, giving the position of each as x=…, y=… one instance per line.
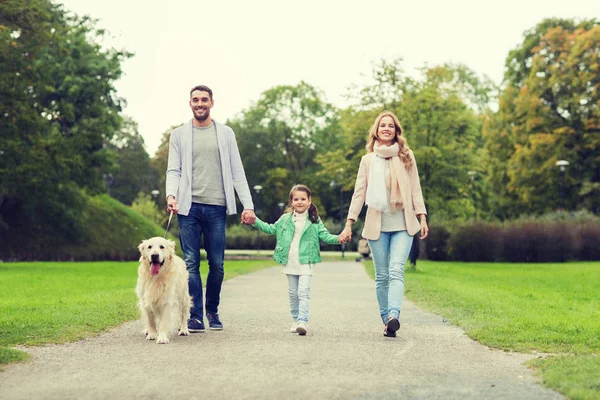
x=390, y=252
x=207, y=220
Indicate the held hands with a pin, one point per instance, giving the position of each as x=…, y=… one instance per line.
x=346, y=235
x=248, y=217
x=172, y=205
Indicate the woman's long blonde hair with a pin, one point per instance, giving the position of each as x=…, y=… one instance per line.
x=404, y=152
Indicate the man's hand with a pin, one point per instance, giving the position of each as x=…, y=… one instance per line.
x=248, y=217
x=172, y=204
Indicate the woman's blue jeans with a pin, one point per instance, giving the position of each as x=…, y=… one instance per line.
x=207, y=220
x=390, y=252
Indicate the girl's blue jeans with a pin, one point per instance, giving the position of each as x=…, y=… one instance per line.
x=299, y=293
x=390, y=252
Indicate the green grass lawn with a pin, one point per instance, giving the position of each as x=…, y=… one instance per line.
x=55, y=302
x=550, y=308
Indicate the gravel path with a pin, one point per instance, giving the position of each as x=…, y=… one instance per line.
x=344, y=355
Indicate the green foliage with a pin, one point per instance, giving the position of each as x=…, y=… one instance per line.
x=555, y=237
x=548, y=112
x=112, y=232
x=59, y=105
x=279, y=137
x=439, y=115
x=133, y=172
x=159, y=165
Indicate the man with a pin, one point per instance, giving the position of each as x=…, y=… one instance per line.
x=203, y=170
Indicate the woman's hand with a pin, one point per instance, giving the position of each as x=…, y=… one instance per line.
x=424, y=228
x=346, y=234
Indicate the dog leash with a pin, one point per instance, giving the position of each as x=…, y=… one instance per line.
x=168, y=224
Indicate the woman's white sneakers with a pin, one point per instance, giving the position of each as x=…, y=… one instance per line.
x=294, y=327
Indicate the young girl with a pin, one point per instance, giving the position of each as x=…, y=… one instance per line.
x=298, y=232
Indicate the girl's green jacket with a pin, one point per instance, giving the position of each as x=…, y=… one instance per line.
x=310, y=251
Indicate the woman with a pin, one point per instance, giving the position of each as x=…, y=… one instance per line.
x=388, y=181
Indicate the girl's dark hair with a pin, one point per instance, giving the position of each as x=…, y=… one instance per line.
x=313, y=213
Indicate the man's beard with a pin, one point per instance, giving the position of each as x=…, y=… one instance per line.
x=203, y=118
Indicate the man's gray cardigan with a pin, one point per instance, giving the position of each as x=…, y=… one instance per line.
x=179, y=168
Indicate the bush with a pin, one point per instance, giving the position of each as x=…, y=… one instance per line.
x=554, y=237
x=537, y=242
x=476, y=242
x=246, y=237
x=589, y=242
x=109, y=230
x=436, y=246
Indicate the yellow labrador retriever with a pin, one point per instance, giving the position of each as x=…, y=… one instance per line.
x=162, y=290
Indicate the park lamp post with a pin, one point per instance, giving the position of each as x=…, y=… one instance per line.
x=562, y=165
x=257, y=189
x=155, y=194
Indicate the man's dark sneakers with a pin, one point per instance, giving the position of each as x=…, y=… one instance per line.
x=387, y=333
x=213, y=322
x=195, y=325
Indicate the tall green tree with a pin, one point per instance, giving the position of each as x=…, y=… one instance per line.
x=548, y=112
x=59, y=106
x=279, y=137
x=440, y=114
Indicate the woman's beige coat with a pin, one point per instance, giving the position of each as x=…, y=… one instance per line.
x=412, y=199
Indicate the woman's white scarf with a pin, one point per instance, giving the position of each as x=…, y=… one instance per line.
x=377, y=186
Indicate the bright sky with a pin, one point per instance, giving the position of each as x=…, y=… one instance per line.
x=242, y=48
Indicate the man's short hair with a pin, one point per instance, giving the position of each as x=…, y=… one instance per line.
x=202, y=88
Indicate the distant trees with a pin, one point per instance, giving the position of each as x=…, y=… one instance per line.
x=59, y=107
x=63, y=135
x=549, y=110
x=440, y=114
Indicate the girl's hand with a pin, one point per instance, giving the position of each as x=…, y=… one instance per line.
x=424, y=228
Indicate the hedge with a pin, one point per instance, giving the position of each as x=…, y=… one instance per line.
x=525, y=240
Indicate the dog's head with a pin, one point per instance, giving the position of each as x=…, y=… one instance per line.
x=156, y=252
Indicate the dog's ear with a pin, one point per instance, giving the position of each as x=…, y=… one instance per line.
x=171, y=249
x=141, y=246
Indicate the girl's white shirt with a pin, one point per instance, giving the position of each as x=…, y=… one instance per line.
x=293, y=266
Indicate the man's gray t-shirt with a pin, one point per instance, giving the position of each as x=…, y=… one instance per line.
x=207, y=177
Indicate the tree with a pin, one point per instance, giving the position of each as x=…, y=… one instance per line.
x=549, y=111
x=58, y=107
x=279, y=137
x=159, y=164
x=133, y=172
x=439, y=112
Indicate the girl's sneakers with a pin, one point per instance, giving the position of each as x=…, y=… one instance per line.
x=302, y=328
x=293, y=328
